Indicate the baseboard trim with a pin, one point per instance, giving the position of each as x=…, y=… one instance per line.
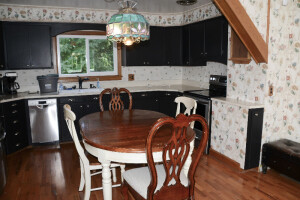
x=225, y=159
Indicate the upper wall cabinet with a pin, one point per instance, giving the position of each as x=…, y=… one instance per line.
x=172, y=44
x=189, y=45
x=194, y=44
x=205, y=41
x=216, y=40
x=152, y=52
x=27, y=46
x=163, y=49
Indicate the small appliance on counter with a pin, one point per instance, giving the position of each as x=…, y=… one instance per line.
x=48, y=83
x=8, y=84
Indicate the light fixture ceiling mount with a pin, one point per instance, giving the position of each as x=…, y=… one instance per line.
x=127, y=25
x=186, y=2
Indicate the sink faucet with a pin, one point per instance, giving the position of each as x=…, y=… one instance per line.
x=80, y=80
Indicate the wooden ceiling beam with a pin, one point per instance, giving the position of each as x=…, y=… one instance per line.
x=244, y=28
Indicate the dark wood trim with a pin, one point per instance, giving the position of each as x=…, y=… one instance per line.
x=245, y=29
x=92, y=78
x=225, y=159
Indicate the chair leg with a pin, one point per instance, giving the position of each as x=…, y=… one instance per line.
x=125, y=191
x=114, y=174
x=82, y=180
x=122, y=171
x=87, y=189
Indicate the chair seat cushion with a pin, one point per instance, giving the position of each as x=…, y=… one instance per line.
x=139, y=179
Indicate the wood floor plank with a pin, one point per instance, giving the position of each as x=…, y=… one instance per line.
x=44, y=173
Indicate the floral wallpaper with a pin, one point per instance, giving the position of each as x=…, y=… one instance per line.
x=229, y=130
x=250, y=83
x=78, y=15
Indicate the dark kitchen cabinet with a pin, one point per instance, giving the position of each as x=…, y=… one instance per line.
x=205, y=41
x=197, y=44
x=172, y=46
x=81, y=106
x=29, y=43
x=15, y=124
x=2, y=61
x=145, y=101
x=167, y=104
x=254, y=135
x=216, y=40
x=145, y=53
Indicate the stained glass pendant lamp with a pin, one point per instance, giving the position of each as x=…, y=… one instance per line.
x=127, y=26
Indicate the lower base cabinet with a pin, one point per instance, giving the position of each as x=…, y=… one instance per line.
x=15, y=125
x=81, y=106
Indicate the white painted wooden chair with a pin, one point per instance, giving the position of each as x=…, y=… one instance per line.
x=189, y=103
x=85, y=165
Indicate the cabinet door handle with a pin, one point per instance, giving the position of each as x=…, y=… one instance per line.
x=70, y=100
x=14, y=104
x=17, y=144
x=144, y=63
x=95, y=98
x=17, y=133
x=27, y=65
x=15, y=121
x=87, y=106
x=14, y=111
x=168, y=94
x=256, y=114
x=32, y=65
x=143, y=95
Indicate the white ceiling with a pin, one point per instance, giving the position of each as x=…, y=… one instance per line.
x=152, y=6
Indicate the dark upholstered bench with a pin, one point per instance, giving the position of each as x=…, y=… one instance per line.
x=282, y=155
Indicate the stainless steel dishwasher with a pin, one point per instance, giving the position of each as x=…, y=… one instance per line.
x=43, y=120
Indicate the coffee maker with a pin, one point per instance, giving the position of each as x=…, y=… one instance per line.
x=8, y=84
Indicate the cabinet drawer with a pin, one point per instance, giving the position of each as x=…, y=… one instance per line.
x=14, y=134
x=16, y=144
x=69, y=100
x=92, y=99
x=15, y=123
x=13, y=108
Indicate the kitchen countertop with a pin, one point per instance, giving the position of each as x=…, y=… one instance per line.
x=236, y=102
x=26, y=95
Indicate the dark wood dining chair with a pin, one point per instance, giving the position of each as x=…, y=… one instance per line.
x=167, y=180
x=116, y=102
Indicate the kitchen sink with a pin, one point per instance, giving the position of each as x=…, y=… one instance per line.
x=83, y=90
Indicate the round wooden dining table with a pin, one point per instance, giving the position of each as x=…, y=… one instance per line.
x=120, y=136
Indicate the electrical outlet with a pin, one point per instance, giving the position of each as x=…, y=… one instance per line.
x=130, y=77
x=271, y=90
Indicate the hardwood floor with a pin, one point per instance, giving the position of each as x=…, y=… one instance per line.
x=53, y=173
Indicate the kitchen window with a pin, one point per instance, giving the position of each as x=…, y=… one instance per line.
x=84, y=53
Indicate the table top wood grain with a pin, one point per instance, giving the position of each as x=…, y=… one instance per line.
x=125, y=130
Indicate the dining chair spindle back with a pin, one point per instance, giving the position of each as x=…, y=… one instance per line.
x=116, y=102
x=190, y=105
x=167, y=180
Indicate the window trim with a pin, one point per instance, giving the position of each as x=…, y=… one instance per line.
x=92, y=78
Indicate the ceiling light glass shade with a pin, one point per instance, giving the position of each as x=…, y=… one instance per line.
x=127, y=26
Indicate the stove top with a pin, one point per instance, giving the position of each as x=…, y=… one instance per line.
x=217, y=88
x=207, y=94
